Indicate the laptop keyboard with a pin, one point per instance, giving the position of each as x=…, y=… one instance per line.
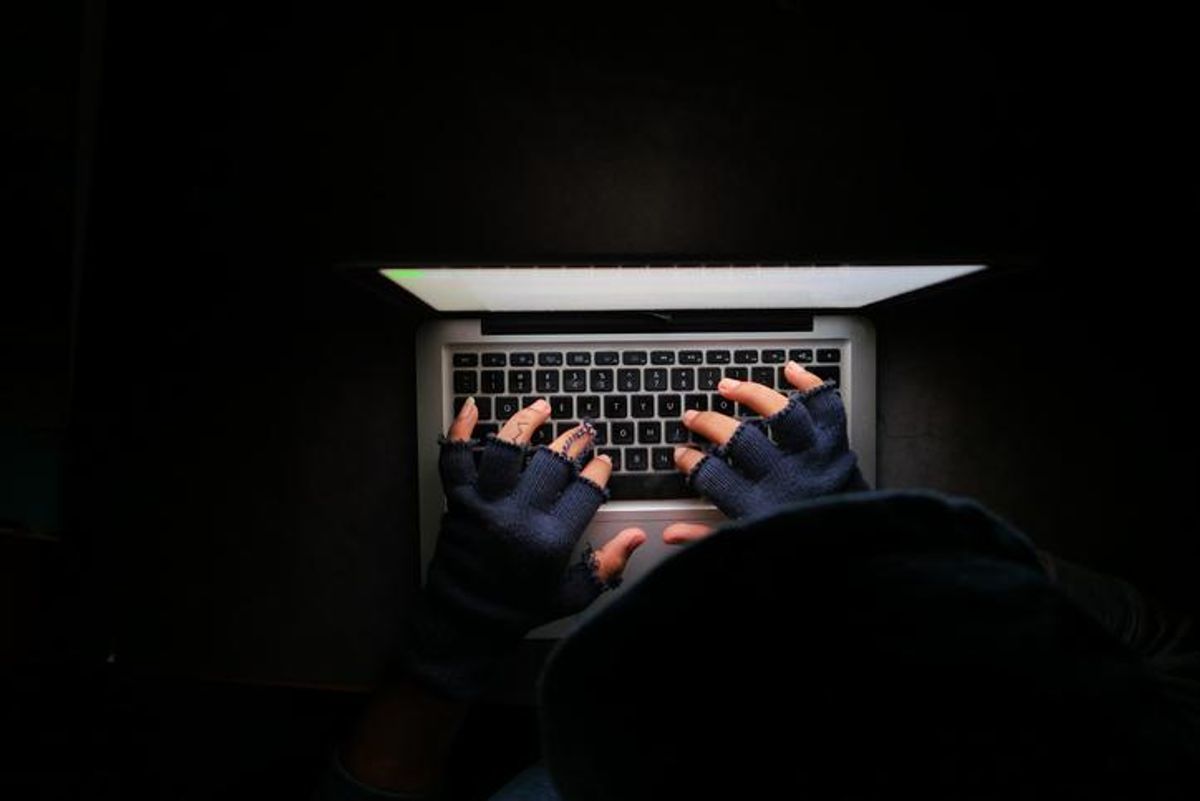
x=634, y=397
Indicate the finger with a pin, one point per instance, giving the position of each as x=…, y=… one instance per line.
x=827, y=412
x=545, y=478
x=598, y=470
x=714, y=426
x=464, y=423
x=680, y=533
x=577, y=506
x=800, y=378
x=761, y=399
x=500, y=467
x=614, y=555
x=520, y=426
x=751, y=451
x=686, y=459
x=728, y=489
x=574, y=441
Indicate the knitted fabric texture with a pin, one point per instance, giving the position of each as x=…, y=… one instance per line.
x=500, y=567
x=810, y=457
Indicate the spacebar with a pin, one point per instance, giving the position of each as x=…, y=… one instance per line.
x=649, y=486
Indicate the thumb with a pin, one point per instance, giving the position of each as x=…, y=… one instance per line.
x=599, y=570
x=680, y=533
x=612, y=557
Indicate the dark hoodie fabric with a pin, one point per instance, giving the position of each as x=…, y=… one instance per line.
x=874, y=645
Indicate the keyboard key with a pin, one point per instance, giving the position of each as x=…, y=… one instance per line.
x=562, y=428
x=481, y=430
x=801, y=355
x=662, y=357
x=745, y=411
x=722, y=404
x=466, y=381
x=547, y=381
x=642, y=405
x=649, y=486
x=826, y=372
x=543, y=436
x=611, y=453
x=669, y=406
x=574, y=380
x=616, y=406
x=562, y=407
x=601, y=437
x=656, y=379
x=774, y=357
x=607, y=357
x=829, y=355
x=740, y=373
x=663, y=458
x=633, y=357
x=763, y=375
x=457, y=405
x=528, y=400
x=622, y=432
x=676, y=431
x=495, y=359
x=521, y=359
x=484, y=405
x=629, y=380
x=691, y=357
x=635, y=458
x=649, y=432
x=549, y=358
x=709, y=378
x=745, y=356
x=601, y=380
x=716, y=357
x=588, y=406
x=466, y=359
x=683, y=379
x=492, y=381
x=520, y=380
x=697, y=402
x=506, y=407
x=579, y=358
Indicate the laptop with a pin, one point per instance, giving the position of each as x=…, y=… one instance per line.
x=631, y=346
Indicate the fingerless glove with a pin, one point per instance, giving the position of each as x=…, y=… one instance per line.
x=500, y=567
x=809, y=457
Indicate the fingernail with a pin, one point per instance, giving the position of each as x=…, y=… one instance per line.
x=541, y=405
x=604, y=457
x=466, y=407
x=729, y=383
x=689, y=414
x=679, y=451
x=793, y=365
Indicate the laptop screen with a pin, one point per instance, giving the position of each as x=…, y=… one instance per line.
x=526, y=288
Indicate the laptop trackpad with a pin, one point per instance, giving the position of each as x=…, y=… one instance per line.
x=616, y=517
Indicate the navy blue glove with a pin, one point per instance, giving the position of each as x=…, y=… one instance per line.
x=500, y=567
x=810, y=457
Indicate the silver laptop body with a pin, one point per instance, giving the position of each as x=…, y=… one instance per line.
x=759, y=315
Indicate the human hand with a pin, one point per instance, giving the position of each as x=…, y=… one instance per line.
x=812, y=457
x=500, y=567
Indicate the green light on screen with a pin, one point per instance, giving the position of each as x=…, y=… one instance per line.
x=397, y=272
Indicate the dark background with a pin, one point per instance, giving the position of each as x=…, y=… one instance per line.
x=206, y=431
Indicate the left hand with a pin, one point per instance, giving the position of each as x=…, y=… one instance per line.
x=501, y=563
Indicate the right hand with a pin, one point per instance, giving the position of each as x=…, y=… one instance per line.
x=813, y=456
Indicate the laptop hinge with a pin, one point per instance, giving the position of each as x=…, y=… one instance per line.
x=645, y=322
